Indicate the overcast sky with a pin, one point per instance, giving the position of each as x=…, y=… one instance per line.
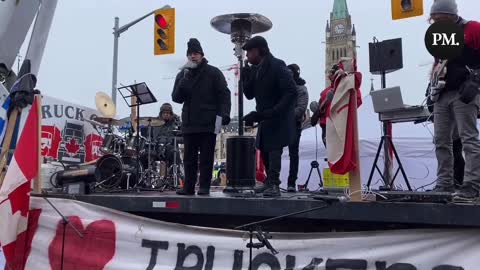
x=78, y=58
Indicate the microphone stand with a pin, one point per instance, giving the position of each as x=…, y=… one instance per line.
x=65, y=223
x=254, y=228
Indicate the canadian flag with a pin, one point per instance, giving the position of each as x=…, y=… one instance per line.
x=341, y=143
x=15, y=233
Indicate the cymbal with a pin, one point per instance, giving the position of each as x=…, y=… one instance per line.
x=150, y=120
x=105, y=105
x=95, y=123
x=109, y=121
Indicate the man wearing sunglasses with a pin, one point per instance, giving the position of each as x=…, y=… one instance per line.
x=203, y=91
x=450, y=110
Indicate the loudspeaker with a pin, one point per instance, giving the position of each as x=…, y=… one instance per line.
x=240, y=163
x=386, y=56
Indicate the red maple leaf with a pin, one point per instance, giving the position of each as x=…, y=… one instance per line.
x=72, y=147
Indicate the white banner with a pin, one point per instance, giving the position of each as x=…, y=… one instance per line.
x=65, y=136
x=116, y=240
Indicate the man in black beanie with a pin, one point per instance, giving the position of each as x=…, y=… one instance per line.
x=269, y=81
x=203, y=91
x=300, y=109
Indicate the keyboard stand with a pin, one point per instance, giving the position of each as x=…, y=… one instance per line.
x=388, y=184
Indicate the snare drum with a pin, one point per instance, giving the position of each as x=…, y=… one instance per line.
x=131, y=145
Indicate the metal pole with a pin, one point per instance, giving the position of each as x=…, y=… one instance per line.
x=116, y=35
x=240, y=97
x=117, y=30
x=387, y=173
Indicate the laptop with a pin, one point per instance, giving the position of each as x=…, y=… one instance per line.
x=387, y=99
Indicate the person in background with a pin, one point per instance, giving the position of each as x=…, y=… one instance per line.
x=203, y=91
x=300, y=109
x=450, y=110
x=269, y=81
x=320, y=116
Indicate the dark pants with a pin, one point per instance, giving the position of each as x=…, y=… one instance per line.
x=193, y=143
x=273, y=164
x=293, y=153
x=458, y=162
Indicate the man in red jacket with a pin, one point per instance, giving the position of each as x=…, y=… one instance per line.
x=449, y=108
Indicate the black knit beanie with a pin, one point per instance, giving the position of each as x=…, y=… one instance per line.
x=194, y=46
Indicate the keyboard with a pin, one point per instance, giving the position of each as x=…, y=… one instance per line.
x=406, y=114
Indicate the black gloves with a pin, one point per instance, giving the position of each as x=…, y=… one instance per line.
x=251, y=118
x=186, y=80
x=257, y=117
x=226, y=120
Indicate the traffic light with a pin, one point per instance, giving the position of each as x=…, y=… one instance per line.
x=164, y=36
x=402, y=9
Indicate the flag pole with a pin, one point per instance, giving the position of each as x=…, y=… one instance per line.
x=12, y=120
x=355, y=183
x=37, y=184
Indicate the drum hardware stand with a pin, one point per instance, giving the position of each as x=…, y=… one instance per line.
x=143, y=96
x=128, y=180
x=175, y=166
x=149, y=173
x=103, y=181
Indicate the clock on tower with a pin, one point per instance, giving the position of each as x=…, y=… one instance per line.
x=339, y=29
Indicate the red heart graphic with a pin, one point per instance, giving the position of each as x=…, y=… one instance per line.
x=92, y=252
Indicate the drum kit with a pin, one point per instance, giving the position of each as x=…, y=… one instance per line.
x=124, y=149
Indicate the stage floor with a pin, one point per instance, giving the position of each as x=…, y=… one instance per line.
x=226, y=211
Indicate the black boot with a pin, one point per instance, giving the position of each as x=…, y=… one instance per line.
x=260, y=187
x=273, y=191
x=466, y=194
x=203, y=191
x=439, y=188
x=291, y=184
x=185, y=191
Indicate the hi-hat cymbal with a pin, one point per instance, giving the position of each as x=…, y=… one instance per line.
x=109, y=121
x=152, y=121
x=105, y=105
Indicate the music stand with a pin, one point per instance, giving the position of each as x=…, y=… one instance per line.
x=143, y=96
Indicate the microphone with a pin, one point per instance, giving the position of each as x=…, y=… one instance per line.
x=331, y=198
x=185, y=72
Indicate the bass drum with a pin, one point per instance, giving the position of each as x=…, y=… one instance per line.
x=113, y=172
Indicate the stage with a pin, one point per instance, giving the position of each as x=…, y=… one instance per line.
x=226, y=211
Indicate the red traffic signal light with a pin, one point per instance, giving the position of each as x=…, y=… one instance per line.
x=164, y=32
